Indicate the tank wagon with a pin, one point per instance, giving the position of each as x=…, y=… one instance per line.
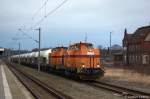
x=79, y=60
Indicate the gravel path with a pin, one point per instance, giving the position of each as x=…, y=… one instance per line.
x=127, y=78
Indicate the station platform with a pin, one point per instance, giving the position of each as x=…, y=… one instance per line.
x=10, y=86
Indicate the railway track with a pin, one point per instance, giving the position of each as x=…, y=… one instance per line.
x=135, y=94
x=37, y=88
x=120, y=90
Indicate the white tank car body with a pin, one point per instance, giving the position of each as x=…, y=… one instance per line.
x=32, y=57
x=45, y=56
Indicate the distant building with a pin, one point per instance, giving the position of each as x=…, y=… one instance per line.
x=136, y=47
x=117, y=58
x=1, y=51
x=112, y=56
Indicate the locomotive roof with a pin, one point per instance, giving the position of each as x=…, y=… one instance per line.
x=59, y=48
x=81, y=43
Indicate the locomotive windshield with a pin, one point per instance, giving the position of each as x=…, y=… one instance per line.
x=75, y=47
x=79, y=46
x=58, y=49
x=89, y=46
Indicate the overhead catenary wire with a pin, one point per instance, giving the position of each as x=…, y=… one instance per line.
x=27, y=35
x=49, y=13
x=42, y=19
x=18, y=38
x=44, y=5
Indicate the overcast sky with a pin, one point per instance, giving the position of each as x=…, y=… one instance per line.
x=71, y=22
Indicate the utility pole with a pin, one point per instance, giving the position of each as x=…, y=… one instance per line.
x=110, y=43
x=39, y=59
x=18, y=47
x=9, y=55
x=19, y=53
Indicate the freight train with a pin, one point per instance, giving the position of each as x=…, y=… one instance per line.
x=79, y=60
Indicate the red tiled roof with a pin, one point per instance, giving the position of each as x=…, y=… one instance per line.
x=141, y=31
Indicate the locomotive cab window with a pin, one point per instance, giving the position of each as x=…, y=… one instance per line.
x=90, y=46
x=87, y=46
x=77, y=47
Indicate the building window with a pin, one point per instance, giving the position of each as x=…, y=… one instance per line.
x=145, y=59
x=139, y=58
x=125, y=59
x=129, y=58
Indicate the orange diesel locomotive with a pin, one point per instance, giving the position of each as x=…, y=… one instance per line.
x=80, y=60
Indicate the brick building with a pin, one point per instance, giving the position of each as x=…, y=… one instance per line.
x=136, y=47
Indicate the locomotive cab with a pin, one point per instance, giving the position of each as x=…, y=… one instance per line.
x=57, y=57
x=85, y=59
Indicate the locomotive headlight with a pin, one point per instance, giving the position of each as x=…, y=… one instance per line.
x=98, y=65
x=83, y=66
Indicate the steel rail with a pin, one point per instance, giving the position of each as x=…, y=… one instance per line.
x=119, y=89
x=129, y=90
x=52, y=91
